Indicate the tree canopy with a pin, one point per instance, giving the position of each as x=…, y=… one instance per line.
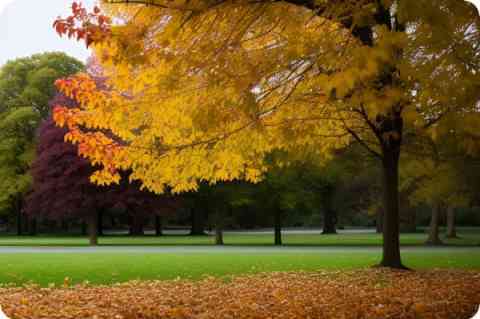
x=258, y=84
x=17, y=129
x=204, y=90
x=26, y=86
x=30, y=81
x=61, y=185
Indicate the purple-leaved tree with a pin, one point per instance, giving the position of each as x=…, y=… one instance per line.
x=61, y=185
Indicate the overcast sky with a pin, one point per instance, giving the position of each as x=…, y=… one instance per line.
x=26, y=28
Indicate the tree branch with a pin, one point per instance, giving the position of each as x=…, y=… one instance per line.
x=364, y=144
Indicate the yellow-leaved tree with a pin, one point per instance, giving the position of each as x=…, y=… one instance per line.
x=202, y=90
x=437, y=177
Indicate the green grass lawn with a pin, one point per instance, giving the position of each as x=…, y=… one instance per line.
x=467, y=237
x=108, y=268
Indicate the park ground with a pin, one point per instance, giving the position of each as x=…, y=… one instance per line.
x=177, y=276
x=45, y=260
x=360, y=294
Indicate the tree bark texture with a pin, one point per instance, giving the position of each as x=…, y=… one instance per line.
x=451, y=229
x=329, y=221
x=158, y=225
x=219, y=235
x=100, y=222
x=136, y=225
x=391, y=221
x=92, y=225
x=379, y=220
x=197, y=218
x=278, y=227
x=433, y=231
x=32, y=227
x=19, y=214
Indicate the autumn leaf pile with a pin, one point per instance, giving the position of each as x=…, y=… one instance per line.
x=376, y=293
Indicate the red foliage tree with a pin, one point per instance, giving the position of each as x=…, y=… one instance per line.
x=61, y=185
x=83, y=25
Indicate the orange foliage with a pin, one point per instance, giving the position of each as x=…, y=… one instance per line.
x=371, y=293
x=93, y=144
x=82, y=25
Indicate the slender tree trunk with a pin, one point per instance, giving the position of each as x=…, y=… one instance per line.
x=51, y=227
x=64, y=225
x=219, y=234
x=408, y=213
x=198, y=222
x=391, y=221
x=219, y=221
x=158, y=226
x=32, y=229
x=136, y=225
x=409, y=223
x=451, y=229
x=329, y=221
x=100, y=222
x=433, y=233
x=329, y=213
x=278, y=227
x=84, y=227
x=379, y=220
x=92, y=222
x=18, y=209
x=26, y=224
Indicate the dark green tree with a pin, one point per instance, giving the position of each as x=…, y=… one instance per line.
x=17, y=130
x=26, y=86
x=30, y=81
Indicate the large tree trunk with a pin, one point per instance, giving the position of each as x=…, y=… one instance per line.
x=158, y=226
x=391, y=234
x=278, y=226
x=451, y=229
x=92, y=226
x=433, y=231
x=198, y=222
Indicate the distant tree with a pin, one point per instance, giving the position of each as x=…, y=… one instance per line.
x=298, y=189
x=340, y=187
x=436, y=177
x=26, y=86
x=197, y=205
x=62, y=187
x=288, y=191
x=30, y=81
x=17, y=129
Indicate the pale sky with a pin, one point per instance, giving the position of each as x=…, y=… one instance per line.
x=3, y=4
x=26, y=28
